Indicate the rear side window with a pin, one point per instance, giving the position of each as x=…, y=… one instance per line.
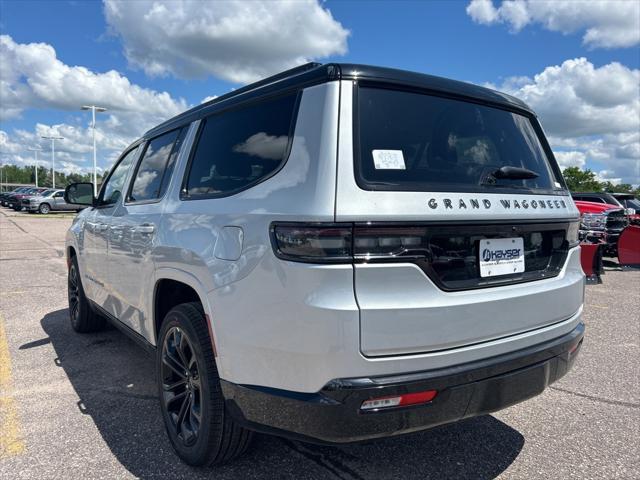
x=156, y=166
x=418, y=142
x=238, y=148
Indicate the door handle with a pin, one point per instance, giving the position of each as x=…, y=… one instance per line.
x=101, y=227
x=146, y=229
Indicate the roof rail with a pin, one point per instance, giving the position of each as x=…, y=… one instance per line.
x=266, y=81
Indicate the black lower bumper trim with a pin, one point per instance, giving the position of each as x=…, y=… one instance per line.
x=333, y=415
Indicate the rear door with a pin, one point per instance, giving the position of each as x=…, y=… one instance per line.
x=133, y=231
x=420, y=188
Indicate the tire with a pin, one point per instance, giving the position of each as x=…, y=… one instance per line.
x=215, y=438
x=83, y=318
x=44, y=208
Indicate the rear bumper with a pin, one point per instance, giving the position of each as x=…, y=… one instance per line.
x=333, y=415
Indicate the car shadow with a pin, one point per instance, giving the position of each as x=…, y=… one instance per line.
x=114, y=379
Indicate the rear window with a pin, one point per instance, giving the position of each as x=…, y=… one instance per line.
x=417, y=142
x=239, y=148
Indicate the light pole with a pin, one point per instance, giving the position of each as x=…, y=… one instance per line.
x=94, y=109
x=53, y=157
x=36, y=150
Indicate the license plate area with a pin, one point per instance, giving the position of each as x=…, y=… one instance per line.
x=501, y=256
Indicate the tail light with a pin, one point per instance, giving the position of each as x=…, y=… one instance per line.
x=573, y=234
x=313, y=243
x=345, y=243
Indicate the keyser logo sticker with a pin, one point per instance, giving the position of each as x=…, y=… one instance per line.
x=501, y=256
x=497, y=255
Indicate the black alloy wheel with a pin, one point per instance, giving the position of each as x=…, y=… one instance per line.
x=73, y=290
x=83, y=318
x=199, y=427
x=181, y=387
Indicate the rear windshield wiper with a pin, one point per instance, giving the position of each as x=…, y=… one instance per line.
x=514, y=173
x=507, y=173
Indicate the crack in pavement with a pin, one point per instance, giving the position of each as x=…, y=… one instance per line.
x=597, y=399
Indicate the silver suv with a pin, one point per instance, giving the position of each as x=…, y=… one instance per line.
x=47, y=201
x=336, y=253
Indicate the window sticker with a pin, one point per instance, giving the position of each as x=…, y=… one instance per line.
x=388, y=159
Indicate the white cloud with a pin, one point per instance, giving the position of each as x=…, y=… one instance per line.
x=263, y=145
x=235, y=40
x=33, y=77
x=605, y=23
x=589, y=113
x=571, y=159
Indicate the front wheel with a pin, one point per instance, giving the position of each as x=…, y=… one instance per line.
x=200, y=429
x=83, y=318
x=44, y=208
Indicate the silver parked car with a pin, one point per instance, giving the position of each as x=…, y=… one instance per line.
x=336, y=253
x=47, y=201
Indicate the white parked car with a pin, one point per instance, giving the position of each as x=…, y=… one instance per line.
x=336, y=253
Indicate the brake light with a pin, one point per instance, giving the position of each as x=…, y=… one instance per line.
x=312, y=243
x=336, y=243
x=405, y=400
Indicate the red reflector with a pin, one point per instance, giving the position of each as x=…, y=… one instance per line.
x=575, y=347
x=420, y=397
x=399, y=400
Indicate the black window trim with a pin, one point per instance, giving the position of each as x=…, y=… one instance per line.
x=363, y=184
x=127, y=200
x=129, y=149
x=184, y=196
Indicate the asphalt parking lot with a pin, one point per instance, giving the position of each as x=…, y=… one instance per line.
x=84, y=406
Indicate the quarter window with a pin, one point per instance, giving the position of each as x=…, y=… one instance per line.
x=112, y=190
x=154, y=170
x=238, y=148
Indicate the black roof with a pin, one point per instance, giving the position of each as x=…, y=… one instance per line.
x=316, y=73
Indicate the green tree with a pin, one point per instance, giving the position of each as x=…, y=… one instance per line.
x=621, y=187
x=26, y=176
x=581, y=181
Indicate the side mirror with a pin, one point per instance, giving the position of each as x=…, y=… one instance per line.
x=79, y=194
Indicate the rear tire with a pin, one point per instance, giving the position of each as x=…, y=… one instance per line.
x=83, y=318
x=44, y=208
x=198, y=425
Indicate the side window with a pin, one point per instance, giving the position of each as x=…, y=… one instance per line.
x=58, y=194
x=112, y=190
x=238, y=148
x=154, y=170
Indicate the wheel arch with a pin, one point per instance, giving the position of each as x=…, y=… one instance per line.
x=173, y=287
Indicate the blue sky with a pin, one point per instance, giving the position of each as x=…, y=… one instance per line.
x=579, y=54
